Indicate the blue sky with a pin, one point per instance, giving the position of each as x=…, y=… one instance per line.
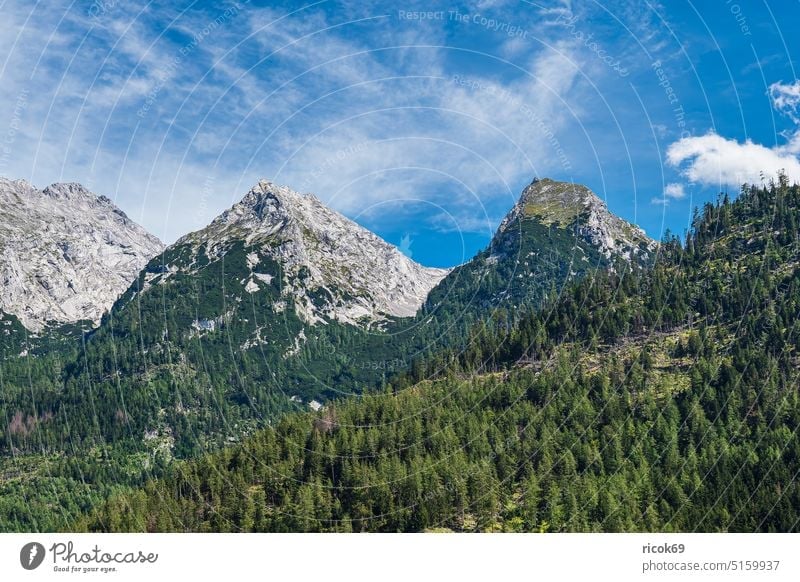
x=424, y=127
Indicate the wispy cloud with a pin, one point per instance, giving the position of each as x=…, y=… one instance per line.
x=176, y=111
x=786, y=98
x=143, y=105
x=672, y=191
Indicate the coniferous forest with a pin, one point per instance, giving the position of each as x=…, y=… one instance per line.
x=656, y=397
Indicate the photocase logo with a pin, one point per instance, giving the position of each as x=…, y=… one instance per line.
x=32, y=555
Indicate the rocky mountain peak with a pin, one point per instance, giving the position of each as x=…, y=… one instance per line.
x=574, y=206
x=68, y=190
x=549, y=193
x=65, y=253
x=322, y=254
x=266, y=205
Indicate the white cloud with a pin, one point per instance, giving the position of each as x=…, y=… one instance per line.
x=786, y=98
x=714, y=160
x=486, y=225
x=279, y=105
x=422, y=127
x=673, y=191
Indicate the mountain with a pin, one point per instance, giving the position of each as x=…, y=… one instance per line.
x=646, y=393
x=576, y=208
x=281, y=279
x=282, y=305
x=65, y=254
x=555, y=233
x=328, y=267
x=655, y=399
x=281, y=302
x=260, y=313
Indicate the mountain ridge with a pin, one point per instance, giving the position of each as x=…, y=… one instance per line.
x=274, y=305
x=66, y=254
x=554, y=233
x=655, y=399
x=568, y=204
x=320, y=250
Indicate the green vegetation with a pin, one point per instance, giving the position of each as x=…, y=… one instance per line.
x=189, y=357
x=577, y=399
x=664, y=399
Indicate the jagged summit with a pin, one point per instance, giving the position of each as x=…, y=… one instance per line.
x=65, y=253
x=557, y=201
x=555, y=233
x=569, y=205
x=331, y=266
x=68, y=190
x=265, y=209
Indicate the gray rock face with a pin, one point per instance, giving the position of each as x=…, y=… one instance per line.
x=318, y=249
x=65, y=254
x=575, y=206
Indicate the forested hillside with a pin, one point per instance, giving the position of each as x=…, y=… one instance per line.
x=234, y=326
x=206, y=345
x=635, y=400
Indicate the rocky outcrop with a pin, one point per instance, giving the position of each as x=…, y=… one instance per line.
x=65, y=253
x=576, y=207
x=330, y=266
